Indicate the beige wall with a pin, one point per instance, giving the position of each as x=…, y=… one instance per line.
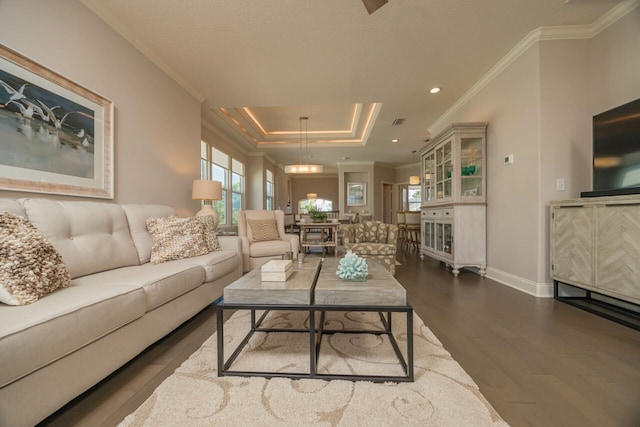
x=540, y=109
x=565, y=130
x=325, y=186
x=283, y=189
x=156, y=122
x=403, y=173
x=615, y=64
x=255, y=179
x=355, y=172
x=510, y=104
x=381, y=175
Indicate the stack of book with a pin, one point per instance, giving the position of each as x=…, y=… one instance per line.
x=276, y=270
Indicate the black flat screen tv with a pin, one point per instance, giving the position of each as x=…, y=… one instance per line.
x=616, y=151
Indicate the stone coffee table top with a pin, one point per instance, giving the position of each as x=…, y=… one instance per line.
x=250, y=289
x=380, y=288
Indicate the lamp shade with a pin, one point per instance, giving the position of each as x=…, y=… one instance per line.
x=414, y=180
x=312, y=195
x=205, y=189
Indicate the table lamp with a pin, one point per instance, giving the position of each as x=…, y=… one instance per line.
x=207, y=190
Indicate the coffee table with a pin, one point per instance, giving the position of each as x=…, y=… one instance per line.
x=313, y=287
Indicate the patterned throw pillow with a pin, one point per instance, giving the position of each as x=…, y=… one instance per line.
x=382, y=232
x=209, y=232
x=176, y=238
x=263, y=229
x=30, y=267
x=358, y=233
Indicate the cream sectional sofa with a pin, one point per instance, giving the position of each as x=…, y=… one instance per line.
x=117, y=305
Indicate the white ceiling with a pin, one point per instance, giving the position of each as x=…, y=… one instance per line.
x=258, y=65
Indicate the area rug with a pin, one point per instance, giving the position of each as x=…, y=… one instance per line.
x=442, y=394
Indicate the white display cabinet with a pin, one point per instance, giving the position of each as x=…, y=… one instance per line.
x=454, y=197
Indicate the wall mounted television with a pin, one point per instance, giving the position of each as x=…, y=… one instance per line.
x=616, y=151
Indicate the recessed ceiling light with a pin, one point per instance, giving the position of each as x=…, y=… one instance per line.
x=395, y=140
x=434, y=90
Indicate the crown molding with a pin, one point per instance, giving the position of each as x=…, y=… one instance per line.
x=96, y=6
x=407, y=166
x=571, y=32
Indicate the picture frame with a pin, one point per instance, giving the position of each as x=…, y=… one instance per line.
x=56, y=136
x=356, y=194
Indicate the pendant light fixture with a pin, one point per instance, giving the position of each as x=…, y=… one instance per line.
x=414, y=179
x=303, y=167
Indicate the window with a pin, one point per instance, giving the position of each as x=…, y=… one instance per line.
x=219, y=166
x=410, y=197
x=220, y=172
x=270, y=190
x=322, y=205
x=237, y=188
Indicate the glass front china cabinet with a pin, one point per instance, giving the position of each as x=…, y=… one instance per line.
x=454, y=197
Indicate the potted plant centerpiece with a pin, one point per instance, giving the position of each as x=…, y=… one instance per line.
x=316, y=215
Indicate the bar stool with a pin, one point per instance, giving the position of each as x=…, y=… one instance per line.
x=412, y=220
x=402, y=226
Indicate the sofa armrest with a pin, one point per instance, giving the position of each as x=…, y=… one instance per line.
x=294, y=241
x=230, y=243
x=245, y=249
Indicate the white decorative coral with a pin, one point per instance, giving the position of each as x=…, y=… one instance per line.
x=352, y=267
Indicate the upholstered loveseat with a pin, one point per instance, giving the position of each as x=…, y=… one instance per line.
x=117, y=304
x=372, y=239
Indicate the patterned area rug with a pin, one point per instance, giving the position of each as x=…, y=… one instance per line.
x=442, y=394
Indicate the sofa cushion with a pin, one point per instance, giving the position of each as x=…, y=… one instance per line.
x=176, y=238
x=12, y=206
x=263, y=230
x=161, y=283
x=269, y=248
x=90, y=236
x=370, y=248
x=381, y=230
x=35, y=335
x=30, y=267
x=216, y=264
x=137, y=215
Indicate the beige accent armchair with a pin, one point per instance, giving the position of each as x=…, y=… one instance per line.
x=373, y=239
x=257, y=252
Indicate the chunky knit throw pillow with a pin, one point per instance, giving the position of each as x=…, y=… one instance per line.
x=209, y=226
x=30, y=267
x=176, y=238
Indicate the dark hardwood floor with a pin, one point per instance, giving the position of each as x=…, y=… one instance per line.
x=539, y=362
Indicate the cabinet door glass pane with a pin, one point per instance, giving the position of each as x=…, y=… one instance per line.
x=427, y=234
x=446, y=148
x=439, y=234
x=447, y=238
x=429, y=177
x=471, y=186
x=447, y=188
x=471, y=167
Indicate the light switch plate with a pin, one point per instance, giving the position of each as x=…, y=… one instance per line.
x=508, y=159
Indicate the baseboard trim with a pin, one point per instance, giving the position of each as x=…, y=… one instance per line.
x=540, y=290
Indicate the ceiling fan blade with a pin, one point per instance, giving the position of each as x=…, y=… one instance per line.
x=373, y=5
